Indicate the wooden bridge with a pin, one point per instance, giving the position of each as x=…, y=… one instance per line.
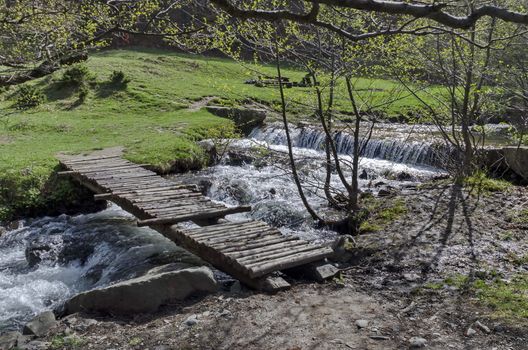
x=249, y=251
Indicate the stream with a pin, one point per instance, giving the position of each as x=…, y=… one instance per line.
x=47, y=260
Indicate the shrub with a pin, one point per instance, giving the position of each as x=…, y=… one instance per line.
x=28, y=96
x=77, y=75
x=118, y=77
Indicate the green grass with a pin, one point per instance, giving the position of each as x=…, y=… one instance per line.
x=148, y=116
x=382, y=213
x=507, y=300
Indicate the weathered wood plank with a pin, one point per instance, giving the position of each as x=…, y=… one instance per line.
x=289, y=261
x=202, y=215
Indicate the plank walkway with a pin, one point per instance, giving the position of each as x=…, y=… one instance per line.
x=249, y=250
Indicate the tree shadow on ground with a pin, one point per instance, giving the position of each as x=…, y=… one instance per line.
x=109, y=88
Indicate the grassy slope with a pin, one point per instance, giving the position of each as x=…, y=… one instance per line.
x=149, y=117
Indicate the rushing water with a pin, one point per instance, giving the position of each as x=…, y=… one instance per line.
x=48, y=260
x=270, y=189
x=398, y=148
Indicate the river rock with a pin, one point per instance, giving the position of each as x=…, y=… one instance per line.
x=417, y=342
x=362, y=323
x=517, y=159
x=40, y=325
x=36, y=345
x=146, y=293
x=9, y=340
x=47, y=248
x=245, y=118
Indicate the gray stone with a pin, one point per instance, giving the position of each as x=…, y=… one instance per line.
x=36, y=345
x=482, y=327
x=470, y=332
x=517, y=159
x=146, y=293
x=191, y=321
x=362, y=323
x=417, y=342
x=236, y=287
x=411, y=277
x=41, y=324
x=245, y=118
x=9, y=340
x=323, y=271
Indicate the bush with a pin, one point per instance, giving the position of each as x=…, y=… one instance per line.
x=77, y=75
x=118, y=77
x=28, y=96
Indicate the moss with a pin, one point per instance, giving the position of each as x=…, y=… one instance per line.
x=379, y=214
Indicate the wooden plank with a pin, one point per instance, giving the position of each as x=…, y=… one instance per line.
x=238, y=234
x=88, y=159
x=197, y=231
x=240, y=246
x=258, y=259
x=234, y=236
x=255, y=252
x=288, y=262
x=197, y=216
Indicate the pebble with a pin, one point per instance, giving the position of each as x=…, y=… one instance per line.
x=411, y=277
x=417, y=342
x=482, y=327
x=191, y=321
x=362, y=323
x=379, y=337
x=470, y=332
x=225, y=313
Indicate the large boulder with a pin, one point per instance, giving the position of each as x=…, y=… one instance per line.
x=517, y=159
x=40, y=325
x=146, y=293
x=245, y=118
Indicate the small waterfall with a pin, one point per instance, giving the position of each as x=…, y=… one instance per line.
x=395, y=150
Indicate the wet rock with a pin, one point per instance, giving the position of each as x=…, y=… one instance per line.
x=146, y=293
x=239, y=190
x=403, y=176
x=362, y=323
x=363, y=175
x=417, y=342
x=40, y=325
x=45, y=249
x=9, y=340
